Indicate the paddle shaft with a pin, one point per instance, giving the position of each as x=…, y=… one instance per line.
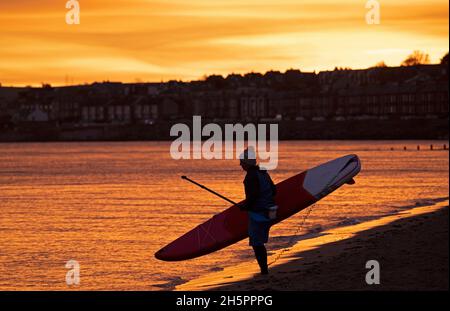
x=207, y=189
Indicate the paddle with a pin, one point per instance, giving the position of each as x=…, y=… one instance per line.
x=207, y=189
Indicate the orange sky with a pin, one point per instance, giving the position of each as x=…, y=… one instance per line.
x=146, y=40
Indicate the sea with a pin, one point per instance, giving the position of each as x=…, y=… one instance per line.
x=109, y=206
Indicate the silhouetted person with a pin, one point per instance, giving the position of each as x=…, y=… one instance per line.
x=259, y=192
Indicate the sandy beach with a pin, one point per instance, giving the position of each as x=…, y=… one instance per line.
x=411, y=247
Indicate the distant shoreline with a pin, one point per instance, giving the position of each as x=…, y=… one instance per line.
x=412, y=129
x=408, y=140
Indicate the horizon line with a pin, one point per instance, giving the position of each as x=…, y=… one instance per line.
x=202, y=78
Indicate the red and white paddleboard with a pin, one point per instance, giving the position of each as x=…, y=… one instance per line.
x=293, y=195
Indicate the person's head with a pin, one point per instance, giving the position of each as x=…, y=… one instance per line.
x=247, y=159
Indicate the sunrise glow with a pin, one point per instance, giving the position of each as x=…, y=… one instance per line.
x=146, y=40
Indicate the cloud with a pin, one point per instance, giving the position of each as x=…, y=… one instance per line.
x=178, y=39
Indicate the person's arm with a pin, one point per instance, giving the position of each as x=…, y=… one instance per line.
x=272, y=185
x=251, y=185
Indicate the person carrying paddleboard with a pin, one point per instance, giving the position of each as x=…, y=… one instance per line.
x=260, y=192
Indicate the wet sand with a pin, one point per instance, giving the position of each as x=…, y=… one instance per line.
x=411, y=247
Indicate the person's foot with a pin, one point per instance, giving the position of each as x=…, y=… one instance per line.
x=264, y=271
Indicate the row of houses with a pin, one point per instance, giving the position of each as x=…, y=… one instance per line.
x=409, y=100
x=400, y=92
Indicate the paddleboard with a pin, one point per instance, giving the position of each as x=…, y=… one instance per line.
x=293, y=195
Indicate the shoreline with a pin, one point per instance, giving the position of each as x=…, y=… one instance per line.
x=411, y=246
x=368, y=129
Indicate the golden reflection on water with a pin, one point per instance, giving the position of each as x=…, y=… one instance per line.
x=110, y=206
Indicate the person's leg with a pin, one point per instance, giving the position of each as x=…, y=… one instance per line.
x=261, y=257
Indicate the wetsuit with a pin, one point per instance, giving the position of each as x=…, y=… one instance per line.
x=260, y=192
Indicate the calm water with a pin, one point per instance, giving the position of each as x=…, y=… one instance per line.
x=110, y=206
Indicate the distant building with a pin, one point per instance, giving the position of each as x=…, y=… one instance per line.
x=376, y=93
x=37, y=114
x=254, y=104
